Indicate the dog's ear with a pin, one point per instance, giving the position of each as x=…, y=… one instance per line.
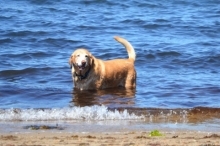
x=92, y=59
x=71, y=61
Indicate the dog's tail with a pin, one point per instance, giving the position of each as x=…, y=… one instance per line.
x=128, y=46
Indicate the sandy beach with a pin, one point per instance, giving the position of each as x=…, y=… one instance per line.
x=132, y=138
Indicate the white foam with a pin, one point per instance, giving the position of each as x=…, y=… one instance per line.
x=74, y=113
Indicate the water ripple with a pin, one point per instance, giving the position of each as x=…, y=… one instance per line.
x=177, y=51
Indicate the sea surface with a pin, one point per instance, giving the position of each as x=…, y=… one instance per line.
x=178, y=59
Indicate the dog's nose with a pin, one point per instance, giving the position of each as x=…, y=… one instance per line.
x=83, y=62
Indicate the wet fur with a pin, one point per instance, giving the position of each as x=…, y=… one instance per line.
x=101, y=74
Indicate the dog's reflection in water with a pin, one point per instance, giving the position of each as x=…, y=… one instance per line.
x=112, y=98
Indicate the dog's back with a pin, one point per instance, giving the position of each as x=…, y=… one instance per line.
x=121, y=72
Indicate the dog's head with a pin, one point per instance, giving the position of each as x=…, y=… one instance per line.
x=81, y=61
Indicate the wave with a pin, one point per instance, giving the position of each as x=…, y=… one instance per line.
x=24, y=55
x=74, y=113
x=177, y=58
x=5, y=40
x=19, y=33
x=30, y=70
x=103, y=113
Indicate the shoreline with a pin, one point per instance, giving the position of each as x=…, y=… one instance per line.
x=129, y=133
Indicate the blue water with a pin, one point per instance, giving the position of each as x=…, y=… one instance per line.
x=177, y=45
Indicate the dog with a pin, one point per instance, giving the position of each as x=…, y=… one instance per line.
x=90, y=73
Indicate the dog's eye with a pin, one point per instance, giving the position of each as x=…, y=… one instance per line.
x=77, y=55
x=86, y=56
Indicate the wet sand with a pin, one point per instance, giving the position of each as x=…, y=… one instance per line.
x=103, y=133
x=132, y=138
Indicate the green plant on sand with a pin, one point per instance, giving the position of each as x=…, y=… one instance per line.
x=155, y=133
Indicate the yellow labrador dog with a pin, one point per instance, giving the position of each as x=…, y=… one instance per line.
x=90, y=73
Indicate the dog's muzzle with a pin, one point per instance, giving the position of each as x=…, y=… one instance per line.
x=82, y=65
